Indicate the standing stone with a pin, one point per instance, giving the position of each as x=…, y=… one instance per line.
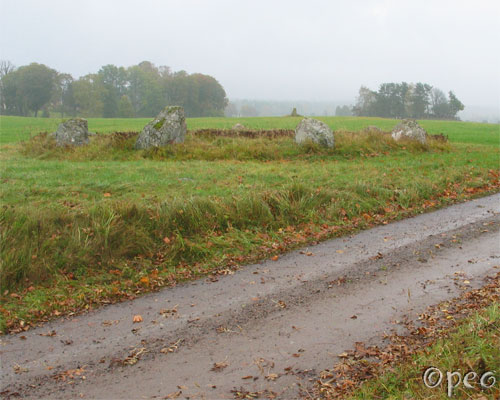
x=73, y=132
x=238, y=127
x=168, y=127
x=314, y=130
x=409, y=129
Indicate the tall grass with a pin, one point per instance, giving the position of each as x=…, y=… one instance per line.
x=221, y=146
x=36, y=243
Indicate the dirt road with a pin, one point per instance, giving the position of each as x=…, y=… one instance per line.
x=285, y=320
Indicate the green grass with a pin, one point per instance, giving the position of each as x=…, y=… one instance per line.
x=105, y=222
x=14, y=129
x=472, y=346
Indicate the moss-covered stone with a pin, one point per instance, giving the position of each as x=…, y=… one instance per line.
x=167, y=128
x=171, y=109
x=159, y=124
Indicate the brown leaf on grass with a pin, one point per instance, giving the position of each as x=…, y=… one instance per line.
x=137, y=319
x=166, y=240
x=367, y=217
x=107, y=194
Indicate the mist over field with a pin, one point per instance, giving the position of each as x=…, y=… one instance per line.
x=317, y=54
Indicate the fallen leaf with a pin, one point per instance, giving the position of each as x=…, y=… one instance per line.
x=340, y=251
x=107, y=194
x=275, y=258
x=173, y=347
x=219, y=366
x=281, y=304
x=173, y=395
x=51, y=333
x=137, y=319
x=19, y=370
x=166, y=240
x=109, y=323
x=272, y=377
x=134, y=356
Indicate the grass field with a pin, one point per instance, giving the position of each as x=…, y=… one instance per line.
x=82, y=227
x=14, y=129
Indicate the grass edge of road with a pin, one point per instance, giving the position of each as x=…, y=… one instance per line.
x=461, y=335
x=69, y=296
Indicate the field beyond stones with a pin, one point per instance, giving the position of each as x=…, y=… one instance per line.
x=95, y=225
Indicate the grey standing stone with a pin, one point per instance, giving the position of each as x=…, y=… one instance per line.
x=168, y=127
x=409, y=129
x=73, y=132
x=314, y=130
x=238, y=127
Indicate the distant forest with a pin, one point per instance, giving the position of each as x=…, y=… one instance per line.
x=141, y=90
x=392, y=100
x=403, y=100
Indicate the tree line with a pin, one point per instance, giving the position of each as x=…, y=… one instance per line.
x=403, y=100
x=141, y=90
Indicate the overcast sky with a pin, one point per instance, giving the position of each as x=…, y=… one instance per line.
x=279, y=50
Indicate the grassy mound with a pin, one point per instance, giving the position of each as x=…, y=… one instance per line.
x=212, y=145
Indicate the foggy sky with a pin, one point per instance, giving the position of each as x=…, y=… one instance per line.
x=281, y=50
